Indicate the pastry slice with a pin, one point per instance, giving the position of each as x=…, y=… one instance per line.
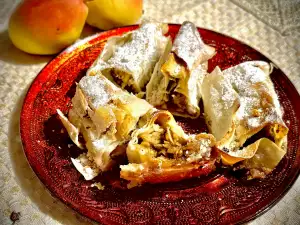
x=241, y=103
x=129, y=60
x=176, y=80
x=104, y=115
x=160, y=152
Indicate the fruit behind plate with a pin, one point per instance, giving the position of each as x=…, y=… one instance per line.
x=46, y=27
x=116, y=13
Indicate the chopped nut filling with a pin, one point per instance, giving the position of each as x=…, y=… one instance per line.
x=163, y=142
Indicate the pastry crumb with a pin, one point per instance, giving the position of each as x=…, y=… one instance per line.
x=15, y=216
x=98, y=185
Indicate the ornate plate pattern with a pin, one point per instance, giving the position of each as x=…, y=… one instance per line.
x=221, y=198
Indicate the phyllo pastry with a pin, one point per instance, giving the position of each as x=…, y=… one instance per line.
x=129, y=60
x=239, y=103
x=176, y=80
x=160, y=152
x=104, y=115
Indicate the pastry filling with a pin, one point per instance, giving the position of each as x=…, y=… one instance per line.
x=177, y=73
x=123, y=79
x=161, y=142
x=169, y=141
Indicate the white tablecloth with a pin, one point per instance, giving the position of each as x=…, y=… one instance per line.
x=270, y=26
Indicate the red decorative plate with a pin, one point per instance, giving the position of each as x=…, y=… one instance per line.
x=221, y=198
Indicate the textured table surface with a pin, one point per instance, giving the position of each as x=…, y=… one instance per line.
x=270, y=26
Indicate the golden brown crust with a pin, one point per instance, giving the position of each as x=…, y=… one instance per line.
x=172, y=174
x=167, y=171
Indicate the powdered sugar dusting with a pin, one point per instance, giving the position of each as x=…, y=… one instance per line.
x=258, y=100
x=203, y=152
x=189, y=46
x=136, y=52
x=98, y=89
x=86, y=167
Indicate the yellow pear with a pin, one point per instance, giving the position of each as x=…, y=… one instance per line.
x=106, y=14
x=46, y=27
